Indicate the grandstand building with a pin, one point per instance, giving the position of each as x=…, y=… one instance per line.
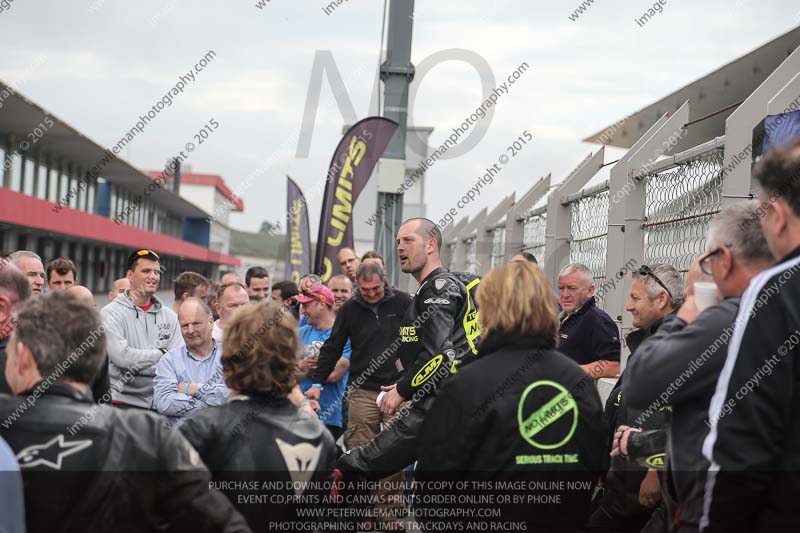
x=63, y=194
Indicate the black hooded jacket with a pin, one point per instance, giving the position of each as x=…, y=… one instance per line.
x=89, y=467
x=521, y=412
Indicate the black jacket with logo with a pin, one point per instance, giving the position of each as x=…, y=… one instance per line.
x=521, y=412
x=89, y=467
x=440, y=331
x=754, y=439
x=679, y=366
x=253, y=440
x=645, y=450
x=371, y=330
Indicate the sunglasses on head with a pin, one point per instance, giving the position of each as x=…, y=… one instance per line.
x=645, y=270
x=147, y=252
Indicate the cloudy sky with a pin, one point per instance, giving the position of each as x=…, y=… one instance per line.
x=99, y=64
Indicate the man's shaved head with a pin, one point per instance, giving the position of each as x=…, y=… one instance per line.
x=427, y=230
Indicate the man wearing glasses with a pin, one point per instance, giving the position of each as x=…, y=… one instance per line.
x=632, y=490
x=139, y=330
x=680, y=364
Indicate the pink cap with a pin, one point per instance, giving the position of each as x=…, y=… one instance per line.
x=320, y=293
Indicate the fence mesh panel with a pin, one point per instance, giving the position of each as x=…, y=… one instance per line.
x=533, y=235
x=498, y=247
x=589, y=235
x=472, y=256
x=680, y=202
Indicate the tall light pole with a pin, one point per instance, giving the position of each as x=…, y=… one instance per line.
x=396, y=73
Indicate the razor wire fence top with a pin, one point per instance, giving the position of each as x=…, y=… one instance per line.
x=679, y=204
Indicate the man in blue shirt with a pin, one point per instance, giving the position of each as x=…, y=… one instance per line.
x=190, y=378
x=317, y=307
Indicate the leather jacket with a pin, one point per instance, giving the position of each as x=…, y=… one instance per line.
x=90, y=467
x=253, y=440
x=440, y=332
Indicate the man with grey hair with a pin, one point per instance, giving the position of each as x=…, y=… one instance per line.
x=753, y=445
x=587, y=334
x=189, y=378
x=633, y=490
x=679, y=365
x=31, y=265
x=14, y=289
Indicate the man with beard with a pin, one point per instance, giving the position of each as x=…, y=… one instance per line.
x=439, y=332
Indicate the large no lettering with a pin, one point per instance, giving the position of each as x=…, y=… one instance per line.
x=561, y=404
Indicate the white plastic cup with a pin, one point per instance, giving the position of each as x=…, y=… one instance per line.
x=706, y=294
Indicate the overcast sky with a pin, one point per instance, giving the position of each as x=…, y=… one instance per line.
x=99, y=64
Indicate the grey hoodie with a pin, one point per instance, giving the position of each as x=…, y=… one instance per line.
x=135, y=339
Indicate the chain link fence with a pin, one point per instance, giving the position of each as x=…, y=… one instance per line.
x=588, y=242
x=498, y=255
x=533, y=239
x=679, y=204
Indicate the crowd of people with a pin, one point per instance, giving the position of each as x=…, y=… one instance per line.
x=242, y=406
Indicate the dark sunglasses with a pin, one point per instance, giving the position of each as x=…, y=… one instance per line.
x=645, y=270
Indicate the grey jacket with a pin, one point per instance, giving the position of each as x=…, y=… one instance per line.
x=135, y=339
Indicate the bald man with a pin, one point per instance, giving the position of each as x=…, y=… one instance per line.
x=189, y=378
x=82, y=293
x=230, y=277
x=121, y=285
x=348, y=263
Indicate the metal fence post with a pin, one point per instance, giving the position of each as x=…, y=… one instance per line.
x=626, y=209
x=738, y=157
x=558, y=229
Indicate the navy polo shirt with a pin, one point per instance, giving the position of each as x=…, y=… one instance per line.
x=589, y=335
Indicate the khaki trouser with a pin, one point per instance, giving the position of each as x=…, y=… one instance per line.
x=364, y=423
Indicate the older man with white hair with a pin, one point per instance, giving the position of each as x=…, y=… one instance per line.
x=587, y=334
x=31, y=265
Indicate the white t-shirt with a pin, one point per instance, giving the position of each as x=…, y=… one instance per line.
x=216, y=333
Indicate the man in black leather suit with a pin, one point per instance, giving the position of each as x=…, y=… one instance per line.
x=89, y=467
x=439, y=334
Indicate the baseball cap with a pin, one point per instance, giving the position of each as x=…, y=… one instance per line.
x=144, y=253
x=321, y=293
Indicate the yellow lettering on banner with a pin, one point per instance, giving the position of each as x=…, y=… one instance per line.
x=296, y=249
x=340, y=216
x=327, y=268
